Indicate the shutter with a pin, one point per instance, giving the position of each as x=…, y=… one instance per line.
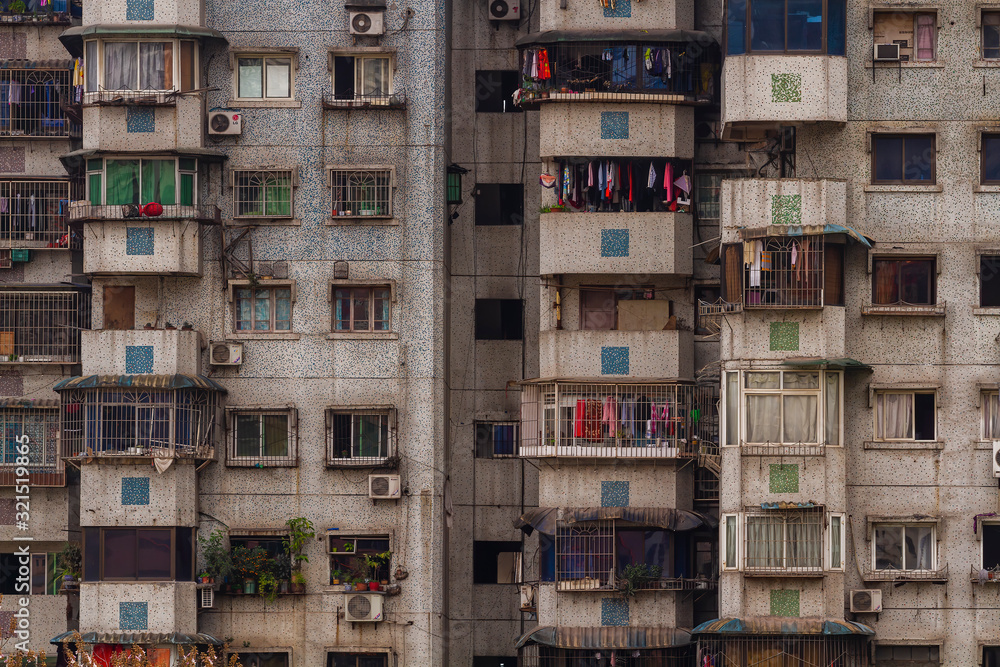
x=833, y=275
x=732, y=272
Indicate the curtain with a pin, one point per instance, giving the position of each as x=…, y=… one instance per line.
x=120, y=65
x=991, y=416
x=275, y=435
x=836, y=559
x=731, y=544
x=155, y=66
x=886, y=282
x=763, y=418
x=799, y=417
x=889, y=548
x=342, y=309
x=278, y=197
x=370, y=434
x=832, y=417
x=158, y=182
x=187, y=190
x=90, y=65
x=374, y=76
x=925, y=36
x=282, y=309
x=804, y=541
x=765, y=541
x=894, y=416
x=732, y=408
x=123, y=182
x=381, y=310
x=243, y=298
x=278, y=77
x=262, y=310
x=919, y=548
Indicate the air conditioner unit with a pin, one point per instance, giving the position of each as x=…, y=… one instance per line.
x=383, y=487
x=888, y=52
x=996, y=458
x=866, y=601
x=528, y=593
x=206, y=598
x=226, y=354
x=363, y=608
x=366, y=23
x=505, y=10
x=225, y=122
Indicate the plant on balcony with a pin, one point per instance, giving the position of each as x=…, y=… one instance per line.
x=282, y=567
x=218, y=560
x=300, y=530
x=17, y=7
x=70, y=564
x=249, y=564
x=268, y=586
x=375, y=562
x=634, y=576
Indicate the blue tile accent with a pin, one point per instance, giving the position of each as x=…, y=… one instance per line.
x=140, y=119
x=139, y=241
x=614, y=361
x=138, y=359
x=614, y=243
x=135, y=490
x=622, y=10
x=139, y=10
x=614, y=125
x=614, y=494
x=133, y=615
x=614, y=611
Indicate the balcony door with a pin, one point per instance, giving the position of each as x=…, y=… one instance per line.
x=119, y=307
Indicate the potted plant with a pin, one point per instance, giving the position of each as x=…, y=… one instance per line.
x=634, y=576
x=300, y=529
x=249, y=564
x=282, y=565
x=268, y=586
x=335, y=577
x=376, y=563
x=218, y=559
x=298, y=585
x=71, y=563
x=205, y=578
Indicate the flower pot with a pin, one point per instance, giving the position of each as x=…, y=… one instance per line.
x=283, y=587
x=384, y=582
x=335, y=582
x=360, y=586
x=206, y=580
x=298, y=589
x=249, y=587
x=373, y=585
x=348, y=588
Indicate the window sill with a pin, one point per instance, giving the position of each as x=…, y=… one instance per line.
x=904, y=311
x=914, y=64
x=271, y=335
x=986, y=63
x=352, y=220
x=986, y=188
x=983, y=445
x=985, y=311
x=285, y=463
x=359, y=335
x=265, y=104
x=928, y=445
x=930, y=189
x=269, y=222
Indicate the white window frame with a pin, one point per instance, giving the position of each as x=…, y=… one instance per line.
x=984, y=398
x=915, y=11
x=912, y=392
x=140, y=158
x=905, y=524
x=359, y=58
x=740, y=552
x=293, y=66
x=175, y=62
x=348, y=171
x=293, y=181
x=828, y=539
x=724, y=542
x=235, y=460
x=820, y=393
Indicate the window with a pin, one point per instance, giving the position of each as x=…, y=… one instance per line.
x=780, y=26
x=263, y=659
x=362, y=193
x=838, y=541
x=42, y=578
x=345, y=551
x=273, y=545
x=357, y=659
x=707, y=189
x=991, y=36
x=784, y=407
x=496, y=440
x=991, y=546
x=262, y=193
x=166, y=181
x=991, y=416
x=906, y=415
x=262, y=437
x=609, y=308
x=915, y=32
x=143, y=65
x=360, y=437
x=362, y=77
x=904, y=282
x=495, y=90
x=42, y=429
x=499, y=319
x=362, y=308
x=263, y=308
x=784, y=542
x=136, y=554
x=45, y=221
x=499, y=204
x=903, y=159
x=989, y=281
x=904, y=547
x=496, y=562
x=906, y=656
x=264, y=77
x=991, y=159
x=787, y=272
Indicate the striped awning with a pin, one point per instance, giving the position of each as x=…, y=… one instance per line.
x=178, y=381
x=780, y=625
x=139, y=638
x=30, y=403
x=543, y=519
x=605, y=637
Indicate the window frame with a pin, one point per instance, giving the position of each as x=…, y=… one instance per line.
x=904, y=525
x=982, y=540
x=875, y=136
x=916, y=12
x=820, y=392
x=740, y=535
x=748, y=33
x=984, y=12
x=358, y=69
x=175, y=63
x=48, y=571
x=391, y=416
x=103, y=171
x=236, y=285
x=933, y=259
x=773, y=517
x=985, y=396
x=354, y=536
x=370, y=287
x=234, y=460
x=104, y=530
x=912, y=393
x=291, y=173
x=983, y=138
x=293, y=66
x=387, y=172
x=492, y=425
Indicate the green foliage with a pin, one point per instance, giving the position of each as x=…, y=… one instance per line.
x=218, y=560
x=71, y=560
x=300, y=529
x=268, y=586
x=634, y=576
x=249, y=563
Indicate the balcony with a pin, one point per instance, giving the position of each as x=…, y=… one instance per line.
x=615, y=243
x=616, y=129
x=131, y=98
x=83, y=211
x=167, y=606
x=148, y=351
x=34, y=102
x=377, y=102
x=902, y=576
x=122, y=241
x=42, y=326
x=776, y=89
x=760, y=203
x=39, y=420
x=634, y=354
x=33, y=214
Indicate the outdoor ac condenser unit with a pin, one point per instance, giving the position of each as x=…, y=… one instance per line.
x=866, y=601
x=996, y=458
x=887, y=52
x=226, y=354
x=363, y=607
x=383, y=487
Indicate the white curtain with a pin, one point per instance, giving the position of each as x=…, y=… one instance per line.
x=991, y=416
x=731, y=544
x=152, y=66
x=765, y=541
x=836, y=527
x=832, y=418
x=278, y=77
x=805, y=541
x=375, y=76
x=800, y=418
x=763, y=418
x=919, y=548
x=90, y=62
x=732, y=408
x=894, y=416
x=120, y=65
x=889, y=548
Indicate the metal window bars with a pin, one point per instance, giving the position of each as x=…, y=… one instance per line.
x=33, y=103
x=624, y=420
x=711, y=313
x=496, y=439
x=44, y=467
x=706, y=485
x=171, y=423
x=360, y=437
x=33, y=214
x=42, y=326
x=870, y=574
x=262, y=437
x=585, y=556
x=262, y=193
x=536, y=655
x=784, y=649
x=783, y=272
x=784, y=542
x=361, y=193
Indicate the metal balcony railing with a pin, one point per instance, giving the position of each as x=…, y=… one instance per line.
x=33, y=214
x=156, y=98
x=39, y=326
x=83, y=211
x=33, y=103
x=373, y=101
x=870, y=574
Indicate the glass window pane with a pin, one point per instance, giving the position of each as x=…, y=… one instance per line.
x=763, y=380
x=374, y=76
x=836, y=559
x=247, y=435
x=991, y=416
x=991, y=156
x=766, y=28
x=805, y=25
x=282, y=309
x=888, y=158
x=836, y=27
x=251, y=77
x=991, y=41
x=156, y=65
x=919, y=548
x=736, y=27
x=832, y=402
x=243, y=314
x=262, y=310
x=154, y=553
x=916, y=280
x=279, y=77
x=370, y=436
x=122, y=182
x=731, y=541
x=158, y=181
x=361, y=310
x=380, y=309
x=119, y=554
x=121, y=63
x=800, y=413
x=763, y=418
x=90, y=61
x=919, y=158
x=732, y=408
x=889, y=548
x=804, y=380
x=342, y=310
x=894, y=416
x=276, y=435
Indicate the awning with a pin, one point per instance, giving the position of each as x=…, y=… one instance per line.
x=36, y=64
x=30, y=403
x=643, y=36
x=595, y=381
x=73, y=38
x=805, y=230
x=74, y=159
x=778, y=625
x=840, y=364
x=140, y=638
x=543, y=519
x=608, y=637
x=179, y=381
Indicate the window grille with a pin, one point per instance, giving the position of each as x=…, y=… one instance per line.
x=535, y=655
x=139, y=422
x=362, y=193
x=706, y=485
x=33, y=213
x=783, y=272
x=45, y=467
x=262, y=194
x=784, y=650
x=358, y=437
x=569, y=419
x=42, y=326
x=33, y=103
x=585, y=555
x=260, y=438
x=784, y=543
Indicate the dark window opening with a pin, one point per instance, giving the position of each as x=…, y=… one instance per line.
x=707, y=294
x=991, y=656
x=906, y=656
x=779, y=26
x=904, y=282
x=347, y=557
x=546, y=557
x=989, y=281
x=495, y=562
x=991, y=546
x=903, y=159
x=496, y=440
x=923, y=416
x=991, y=158
x=494, y=661
x=151, y=554
x=833, y=275
x=495, y=90
x=357, y=660
x=263, y=659
x=499, y=319
x=274, y=546
x=499, y=204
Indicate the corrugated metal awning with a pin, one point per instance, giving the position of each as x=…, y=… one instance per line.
x=30, y=403
x=36, y=64
x=806, y=230
x=605, y=637
x=779, y=625
x=543, y=519
x=179, y=381
x=140, y=638
x=641, y=36
x=840, y=364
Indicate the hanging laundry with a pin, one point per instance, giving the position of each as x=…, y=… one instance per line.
x=543, y=64
x=668, y=182
x=652, y=176
x=684, y=182
x=547, y=180
x=758, y=248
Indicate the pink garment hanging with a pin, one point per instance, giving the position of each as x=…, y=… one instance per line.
x=609, y=415
x=668, y=182
x=590, y=174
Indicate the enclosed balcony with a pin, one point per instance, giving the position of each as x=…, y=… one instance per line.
x=35, y=101
x=34, y=214
x=758, y=203
x=153, y=351
x=39, y=421
x=42, y=325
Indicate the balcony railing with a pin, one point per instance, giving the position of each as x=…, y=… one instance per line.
x=33, y=214
x=39, y=421
x=41, y=326
x=83, y=211
x=44, y=18
x=870, y=574
x=784, y=272
x=659, y=584
x=118, y=98
x=375, y=101
x=33, y=104
x=712, y=313
x=984, y=576
x=623, y=420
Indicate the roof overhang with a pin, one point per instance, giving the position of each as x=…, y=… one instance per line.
x=138, y=638
x=71, y=161
x=779, y=625
x=607, y=637
x=164, y=382
x=73, y=38
x=806, y=230
x=643, y=36
x=544, y=519
x=839, y=364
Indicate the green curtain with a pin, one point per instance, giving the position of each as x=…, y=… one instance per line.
x=123, y=182
x=158, y=181
x=187, y=190
x=279, y=200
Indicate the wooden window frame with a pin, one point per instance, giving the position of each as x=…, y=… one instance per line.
x=272, y=287
x=173, y=552
x=748, y=34
x=370, y=289
x=903, y=136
